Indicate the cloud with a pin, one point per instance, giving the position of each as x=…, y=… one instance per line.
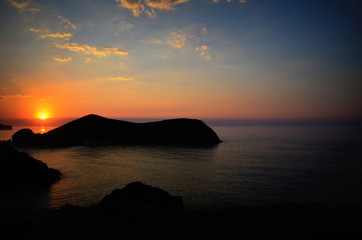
x=67, y=24
x=109, y=48
x=62, y=59
x=178, y=39
x=87, y=60
x=35, y=30
x=33, y=9
x=203, y=50
x=56, y=35
x=24, y=5
x=139, y=7
x=89, y=50
x=124, y=78
x=7, y=96
x=20, y=5
x=121, y=52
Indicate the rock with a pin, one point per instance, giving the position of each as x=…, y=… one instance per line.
x=93, y=129
x=24, y=136
x=18, y=169
x=139, y=195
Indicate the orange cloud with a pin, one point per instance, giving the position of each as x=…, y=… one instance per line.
x=55, y=35
x=121, y=78
x=62, y=59
x=109, y=48
x=87, y=49
x=203, y=50
x=138, y=7
x=164, y=4
x=21, y=5
x=115, y=50
x=121, y=52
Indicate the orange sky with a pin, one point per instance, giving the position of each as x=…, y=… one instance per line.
x=167, y=59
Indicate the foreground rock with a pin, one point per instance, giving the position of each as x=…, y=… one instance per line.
x=18, y=169
x=139, y=195
x=93, y=129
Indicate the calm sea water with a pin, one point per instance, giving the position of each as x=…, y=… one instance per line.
x=253, y=165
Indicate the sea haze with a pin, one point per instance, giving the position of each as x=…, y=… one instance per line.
x=253, y=165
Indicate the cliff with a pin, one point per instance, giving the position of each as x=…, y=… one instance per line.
x=93, y=129
x=18, y=169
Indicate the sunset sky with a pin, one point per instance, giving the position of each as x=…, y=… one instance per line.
x=255, y=59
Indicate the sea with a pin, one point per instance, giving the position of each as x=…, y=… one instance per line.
x=254, y=165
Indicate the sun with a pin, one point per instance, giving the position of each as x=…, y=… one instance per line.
x=43, y=116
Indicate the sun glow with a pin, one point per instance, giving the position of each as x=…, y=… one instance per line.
x=43, y=116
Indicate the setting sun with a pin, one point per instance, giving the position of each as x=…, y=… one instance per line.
x=42, y=116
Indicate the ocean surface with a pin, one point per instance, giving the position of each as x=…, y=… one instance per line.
x=253, y=165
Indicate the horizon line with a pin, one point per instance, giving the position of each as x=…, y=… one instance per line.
x=211, y=121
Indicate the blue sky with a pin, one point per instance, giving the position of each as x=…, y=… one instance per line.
x=181, y=58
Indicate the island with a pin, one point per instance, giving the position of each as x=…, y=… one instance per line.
x=5, y=127
x=94, y=129
x=19, y=170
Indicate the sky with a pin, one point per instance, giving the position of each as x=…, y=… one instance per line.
x=207, y=59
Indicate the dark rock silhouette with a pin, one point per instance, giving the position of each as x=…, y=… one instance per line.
x=5, y=127
x=93, y=129
x=139, y=195
x=18, y=169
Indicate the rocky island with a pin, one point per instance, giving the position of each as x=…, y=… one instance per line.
x=5, y=127
x=94, y=129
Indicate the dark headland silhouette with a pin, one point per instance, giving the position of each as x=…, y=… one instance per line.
x=5, y=127
x=19, y=170
x=93, y=129
x=140, y=195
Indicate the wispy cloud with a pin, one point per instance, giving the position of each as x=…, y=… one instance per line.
x=67, y=24
x=35, y=30
x=121, y=52
x=7, y=96
x=89, y=50
x=139, y=7
x=178, y=39
x=33, y=9
x=56, y=35
x=123, y=78
x=62, y=59
x=20, y=5
x=23, y=5
x=109, y=48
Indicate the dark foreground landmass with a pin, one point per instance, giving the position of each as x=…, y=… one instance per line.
x=148, y=219
x=19, y=170
x=93, y=129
